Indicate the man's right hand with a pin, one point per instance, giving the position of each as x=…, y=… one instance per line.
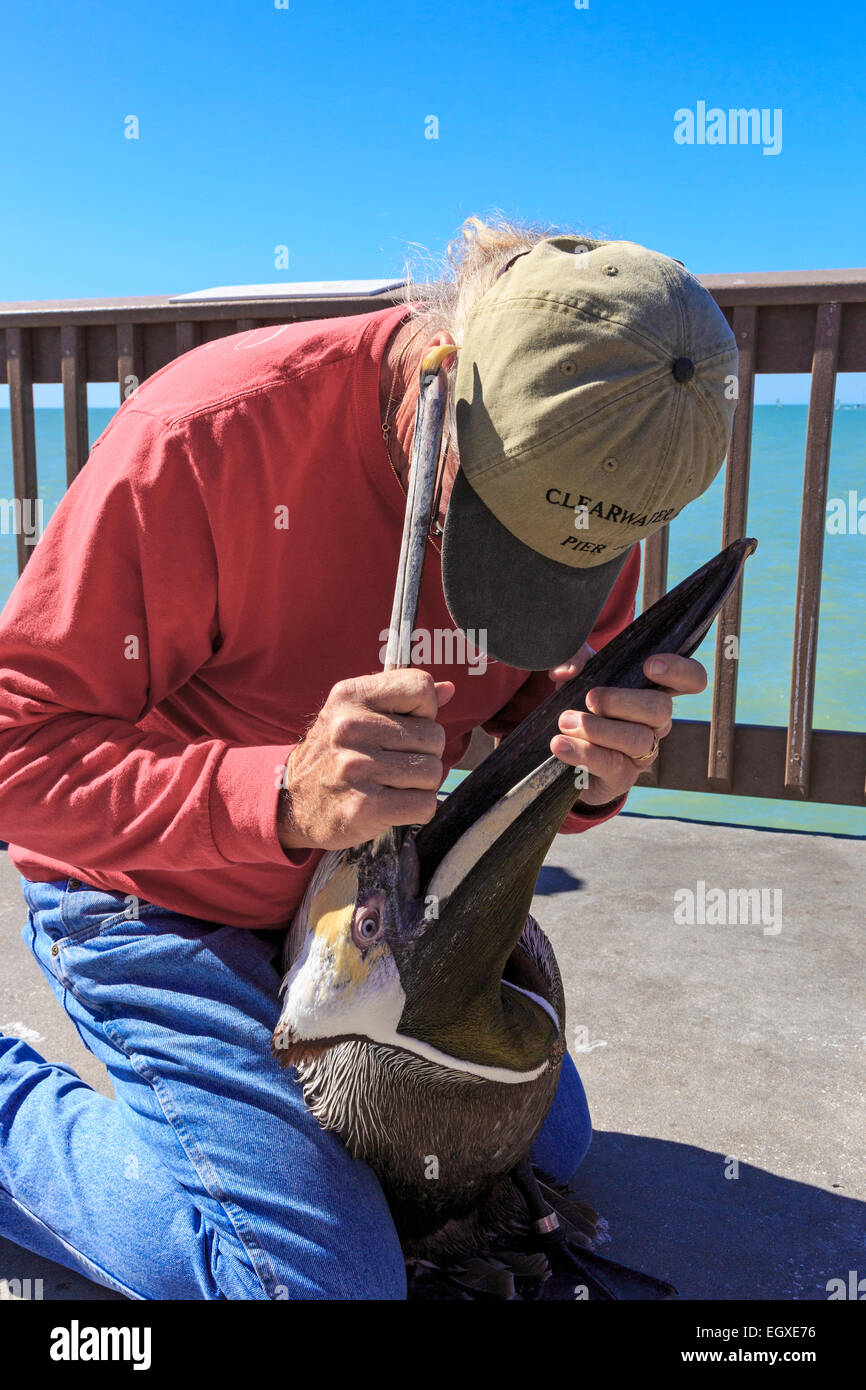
x=372, y=759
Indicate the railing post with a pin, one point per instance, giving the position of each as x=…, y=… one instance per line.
x=655, y=567
x=19, y=373
x=655, y=586
x=813, y=520
x=129, y=370
x=187, y=335
x=73, y=374
x=720, y=763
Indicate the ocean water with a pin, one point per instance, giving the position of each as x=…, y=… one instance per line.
x=778, y=447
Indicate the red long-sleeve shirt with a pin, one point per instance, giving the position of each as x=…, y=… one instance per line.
x=226, y=556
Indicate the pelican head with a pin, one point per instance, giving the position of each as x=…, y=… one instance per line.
x=423, y=956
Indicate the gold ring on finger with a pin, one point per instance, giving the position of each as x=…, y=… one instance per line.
x=647, y=757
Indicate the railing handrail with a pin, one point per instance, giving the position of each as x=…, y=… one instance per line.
x=158, y=308
x=845, y=285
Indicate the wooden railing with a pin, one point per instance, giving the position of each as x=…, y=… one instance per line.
x=797, y=322
x=790, y=322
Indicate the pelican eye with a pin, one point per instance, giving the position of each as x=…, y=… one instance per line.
x=367, y=926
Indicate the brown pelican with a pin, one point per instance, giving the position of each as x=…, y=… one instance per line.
x=423, y=1007
x=424, y=1010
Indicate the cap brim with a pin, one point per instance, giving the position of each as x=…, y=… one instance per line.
x=524, y=609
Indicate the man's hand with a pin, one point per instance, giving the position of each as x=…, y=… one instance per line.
x=372, y=759
x=621, y=725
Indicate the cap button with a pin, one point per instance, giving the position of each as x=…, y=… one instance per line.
x=683, y=369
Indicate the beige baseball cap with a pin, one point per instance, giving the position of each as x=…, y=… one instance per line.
x=595, y=393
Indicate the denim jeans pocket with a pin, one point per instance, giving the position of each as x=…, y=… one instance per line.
x=160, y=963
x=117, y=955
x=67, y=914
x=67, y=909
x=95, y=921
x=114, y=951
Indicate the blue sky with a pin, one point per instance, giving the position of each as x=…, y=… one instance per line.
x=305, y=127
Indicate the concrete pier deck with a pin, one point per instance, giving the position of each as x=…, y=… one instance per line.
x=724, y=1063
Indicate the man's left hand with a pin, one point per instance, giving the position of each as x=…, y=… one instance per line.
x=621, y=726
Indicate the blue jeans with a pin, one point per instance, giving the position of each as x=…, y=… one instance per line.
x=205, y=1177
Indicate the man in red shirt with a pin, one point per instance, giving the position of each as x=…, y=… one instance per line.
x=188, y=719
